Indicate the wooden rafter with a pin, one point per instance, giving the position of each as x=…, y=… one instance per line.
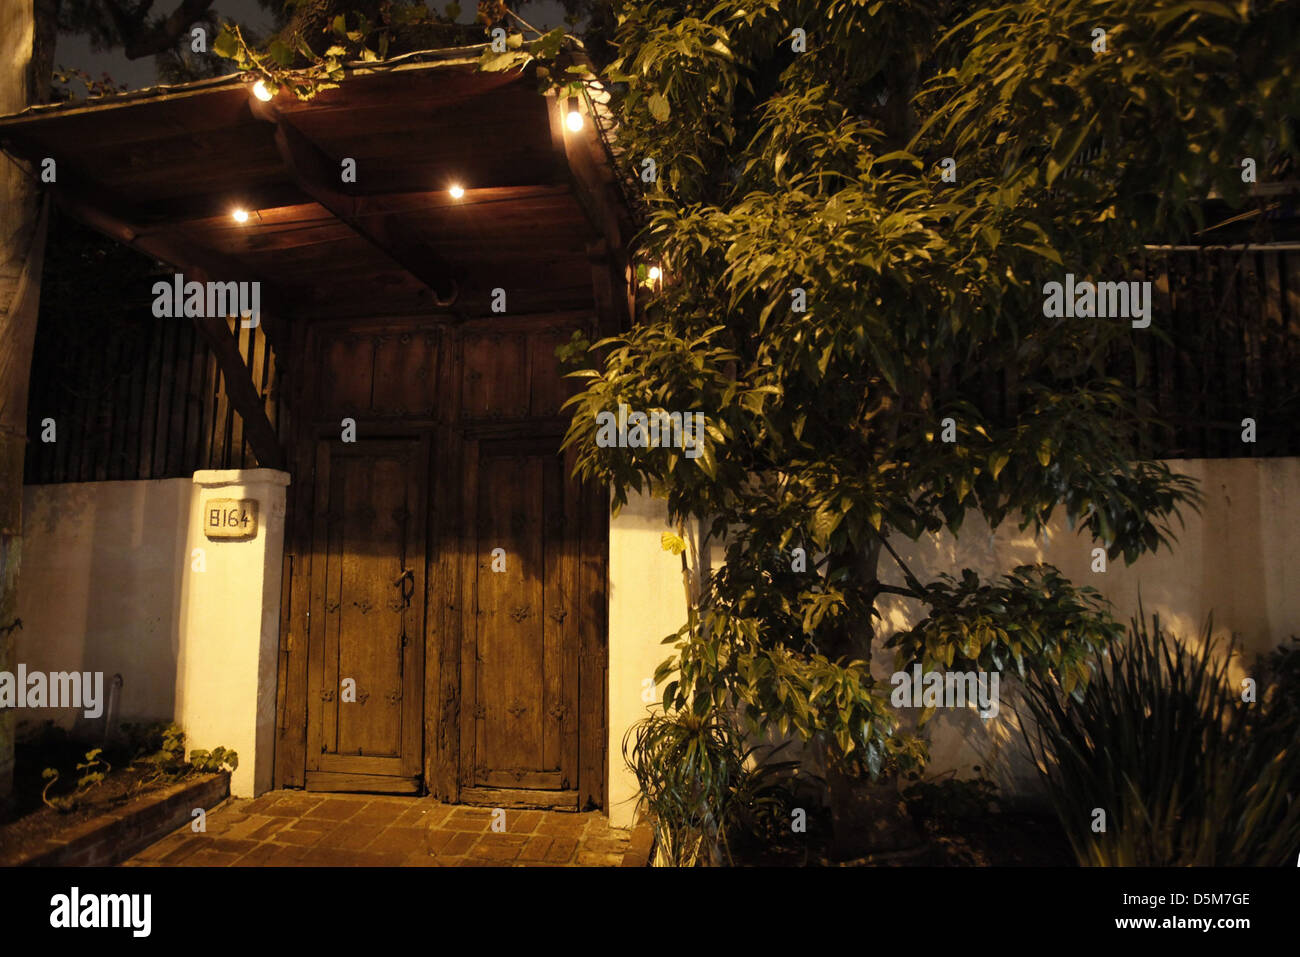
x=592, y=184
x=243, y=395
x=316, y=174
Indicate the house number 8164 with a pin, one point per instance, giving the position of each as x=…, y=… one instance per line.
x=230, y=518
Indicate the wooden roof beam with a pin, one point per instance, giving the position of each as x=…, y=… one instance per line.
x=243, y=394
x=316, y=174
x=592, y=184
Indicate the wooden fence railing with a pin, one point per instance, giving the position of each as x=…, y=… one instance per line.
x=1233, y=315
x=146, y=402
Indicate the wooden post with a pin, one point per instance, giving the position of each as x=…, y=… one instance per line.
x=22, y=246
x=17, y=337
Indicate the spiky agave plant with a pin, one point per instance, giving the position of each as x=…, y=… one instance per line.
x=1186, y=772
x=685, y=765
x=700, y=781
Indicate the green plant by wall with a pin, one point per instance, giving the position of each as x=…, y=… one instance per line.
x=94, y=769
x=1279, y=673
x=159, y=751
x=161, y=754
x=855, y=211
x=1160, y=762
x=700, y=783
x=949, y=801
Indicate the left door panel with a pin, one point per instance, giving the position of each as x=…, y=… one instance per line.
x=366, y=624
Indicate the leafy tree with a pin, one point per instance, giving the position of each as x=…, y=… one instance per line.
x=822, y=171
x=301, y=30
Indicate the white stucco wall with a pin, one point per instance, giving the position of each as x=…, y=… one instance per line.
x=100, y=589
x=1239, y=558
x=108, y=584
x=647, y=603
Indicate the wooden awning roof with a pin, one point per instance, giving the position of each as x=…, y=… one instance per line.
x=163, y=169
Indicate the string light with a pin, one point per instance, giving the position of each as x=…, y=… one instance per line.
x=457, y=191
x=573, y=118
x=261, y=91
x=240, y=215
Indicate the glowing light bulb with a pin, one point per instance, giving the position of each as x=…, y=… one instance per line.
x=261, y=91
x=240, y=215
x=573, y=116
x=457, y=191
x=655, y=274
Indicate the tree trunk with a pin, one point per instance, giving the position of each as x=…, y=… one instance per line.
x=867, y=817
x=24, y=79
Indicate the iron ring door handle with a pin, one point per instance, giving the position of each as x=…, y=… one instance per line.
x=403, y=579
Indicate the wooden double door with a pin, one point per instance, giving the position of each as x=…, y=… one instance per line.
x=456, y=600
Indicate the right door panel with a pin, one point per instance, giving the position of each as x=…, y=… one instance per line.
x=520, y=654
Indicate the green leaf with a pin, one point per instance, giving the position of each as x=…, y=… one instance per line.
x=824, y=522
x=780, y=161
x=500, y=62
x=1066, y=149
x=997, y=462
x=659, y=107
x=1047, y=252
x=225, y=45
x=707, y=462
x=281, y=53
x=672, y=543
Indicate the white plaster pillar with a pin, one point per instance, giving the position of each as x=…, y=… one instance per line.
x=646, y=604
x=230, y=626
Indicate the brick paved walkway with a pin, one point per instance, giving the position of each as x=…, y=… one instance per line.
x=296, y=828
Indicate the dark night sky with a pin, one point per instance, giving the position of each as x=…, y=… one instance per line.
x=74, y=51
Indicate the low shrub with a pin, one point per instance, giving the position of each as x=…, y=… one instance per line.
x=949, y=801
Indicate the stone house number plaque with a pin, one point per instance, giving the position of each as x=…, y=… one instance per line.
x=230, y=518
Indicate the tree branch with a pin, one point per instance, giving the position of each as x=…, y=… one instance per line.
x=882, y=589
x=139, y=40
x=911, y=579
